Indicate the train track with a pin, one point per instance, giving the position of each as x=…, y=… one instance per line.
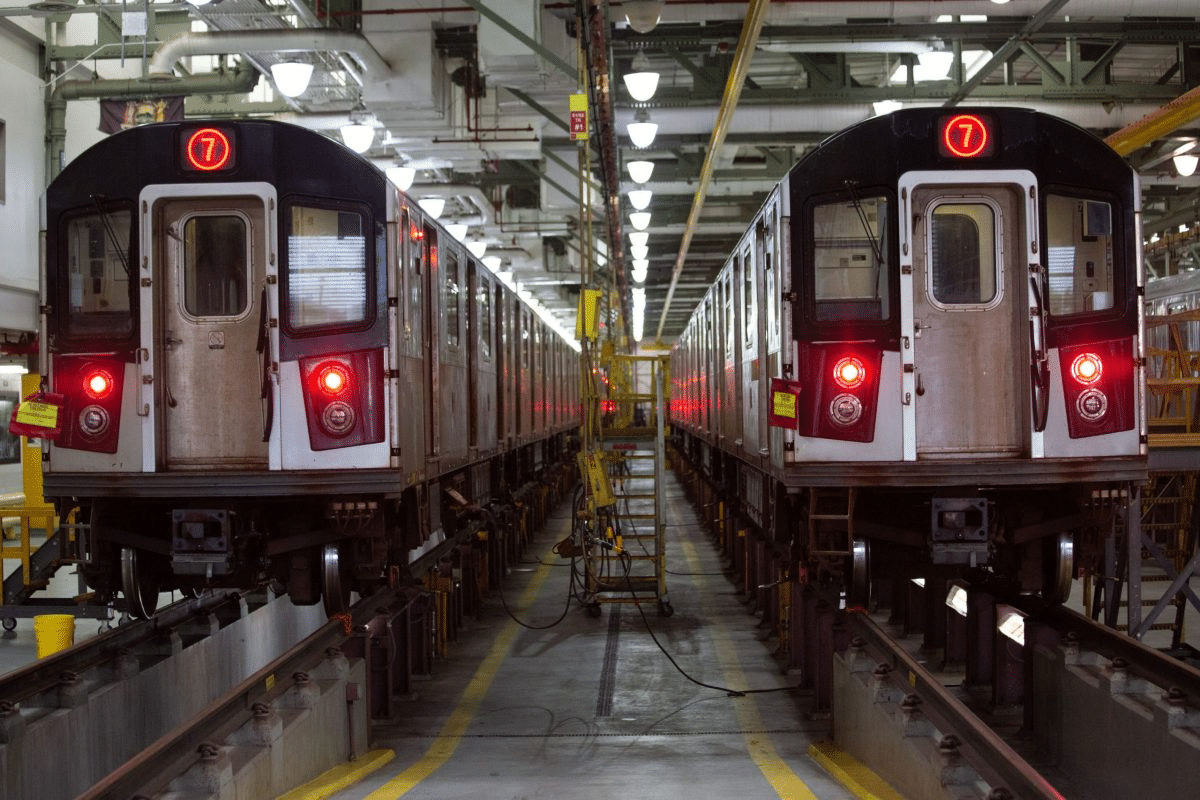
x=198, y=742
x=1094, y=702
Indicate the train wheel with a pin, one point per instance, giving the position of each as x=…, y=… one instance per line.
x=139, y=583
x=858, y=587
x=1058, y=561
x=335, y=579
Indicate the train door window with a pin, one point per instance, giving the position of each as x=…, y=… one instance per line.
x=327, y=267
x=727, y=299
x=962, y=250
x=98, y=264
x=1079, y=255
x=451, y=297
x=214, y=276
x=483, y=299
x=416, y=238
x=849, y=260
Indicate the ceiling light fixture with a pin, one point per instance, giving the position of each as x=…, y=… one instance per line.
x=458, y=230
x=640, y=199
x=639, y=250
x=401, y=176
x=477, y=247
x=433, y=206
x=639, y=237
x=359, y=132
x=1185, y=164
x=492, y=263
x=640, y=171
x=291, y=77
x=640, y=219
x=642, y=15
x=642, y=130
x=642, y=82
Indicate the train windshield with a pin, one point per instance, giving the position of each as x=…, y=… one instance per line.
x=849, y=255
x=963, y=254
x=99, y=296
x=327, y=267
x=1079, y=255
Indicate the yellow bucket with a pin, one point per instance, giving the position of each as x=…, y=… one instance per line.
x=53, y=632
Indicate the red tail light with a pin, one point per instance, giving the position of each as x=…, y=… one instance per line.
x=333, y=379
x=1087, y=368
x=343, y=399
x=98, y=384
x=91, y=386
x=1099, y=396
x=840, y=399
x=849, y=372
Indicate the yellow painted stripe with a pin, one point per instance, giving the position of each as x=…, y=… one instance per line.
x=851, y=773
x=452, y=731
x=333, y=781
x=786, y=783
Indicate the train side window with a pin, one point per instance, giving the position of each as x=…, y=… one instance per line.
x=849, y=260
x=214, y=266
x=451, y=291
x=98, y=262
x=1079, y=255
x=327, y=267
x=483, y=297
x=962, y=254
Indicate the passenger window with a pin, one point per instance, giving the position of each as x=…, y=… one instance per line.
x=484, y=301
x=98, y=263
x=849, y=260
x=962, y=254
x=1079, y=255
x=327, y=267
x=214, y=266
x=450, y=298
x=748, y=298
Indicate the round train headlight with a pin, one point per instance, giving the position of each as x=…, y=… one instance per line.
x=337, y=418
x=94, y=420
x=1092, y=404
x=845, y=409
x=333, y=378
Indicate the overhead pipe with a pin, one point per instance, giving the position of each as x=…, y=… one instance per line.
x=239, y=80
x=755, y=15
x=278, y=40
x=1171, y=117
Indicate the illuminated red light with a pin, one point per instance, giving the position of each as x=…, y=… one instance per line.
x=1087, y=368
x=333, y=379
x=97, y=384
x=208, y=149
x=849, y=372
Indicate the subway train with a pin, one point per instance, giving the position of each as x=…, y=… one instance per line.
x=924, y=357
x=271, y=366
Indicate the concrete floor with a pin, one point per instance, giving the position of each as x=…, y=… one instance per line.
x=591, y=708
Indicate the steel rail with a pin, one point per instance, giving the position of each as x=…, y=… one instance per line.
x=1146, y=662
x=172, y=753
x=1008, y=767
x=44, y=674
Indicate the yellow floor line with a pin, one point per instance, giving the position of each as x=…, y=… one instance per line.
x=333, y=781
x=851, y=773
x=450, y=735
x=786, y=783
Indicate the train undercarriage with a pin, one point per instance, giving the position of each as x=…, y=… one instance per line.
x=316, y=547
x=844, y=540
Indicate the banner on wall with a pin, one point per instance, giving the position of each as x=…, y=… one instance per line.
x=118, y=115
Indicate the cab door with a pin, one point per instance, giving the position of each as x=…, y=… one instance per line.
x=213, y=390
x=970, y=337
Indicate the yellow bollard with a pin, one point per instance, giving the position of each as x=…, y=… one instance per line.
x=53, y=632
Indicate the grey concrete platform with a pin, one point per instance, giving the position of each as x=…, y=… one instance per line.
x=591, y=708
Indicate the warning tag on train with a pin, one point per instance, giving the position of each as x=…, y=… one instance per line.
x=579, y=117
x=39, y=414
x=784, y=411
